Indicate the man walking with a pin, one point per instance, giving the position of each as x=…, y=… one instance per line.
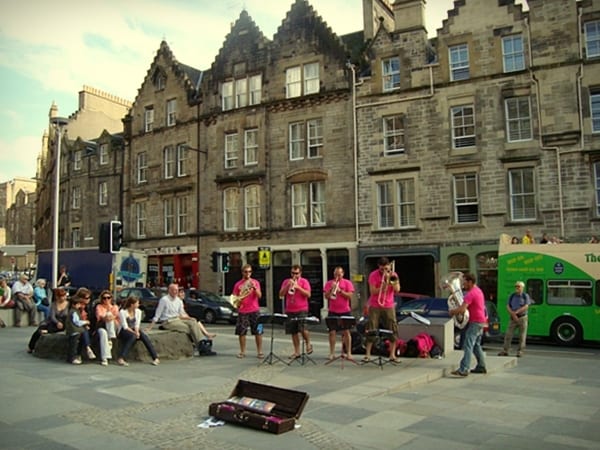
x=517, y=306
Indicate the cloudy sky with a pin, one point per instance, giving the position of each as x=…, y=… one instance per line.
x=50, y=49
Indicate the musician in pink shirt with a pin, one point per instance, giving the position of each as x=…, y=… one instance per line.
x=248, y=291
x=296, y=291
x=338, y=292
x=383, y=284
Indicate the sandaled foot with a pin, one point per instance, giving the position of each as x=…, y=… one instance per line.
x=309, y=349
x=260, y=355
x=294, y=356
x=366, y=358
x=210, y=335
x=241, y=355
x=122, y=362
x=331, y=357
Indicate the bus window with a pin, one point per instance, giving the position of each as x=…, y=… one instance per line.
x=598, y=293
x=569, y=292
x=534, y=289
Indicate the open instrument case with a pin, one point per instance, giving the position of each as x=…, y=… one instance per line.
x=261, y=406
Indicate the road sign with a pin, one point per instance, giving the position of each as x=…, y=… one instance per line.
x=264, y=257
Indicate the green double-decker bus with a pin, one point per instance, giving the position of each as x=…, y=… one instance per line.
x=562, y=280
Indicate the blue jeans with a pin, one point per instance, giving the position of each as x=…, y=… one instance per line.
x=472, y=345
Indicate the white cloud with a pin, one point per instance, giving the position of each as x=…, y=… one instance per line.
x=18, y=158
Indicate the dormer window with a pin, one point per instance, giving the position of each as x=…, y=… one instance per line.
x=302, y=80
x=241, y=92
x=160, y=80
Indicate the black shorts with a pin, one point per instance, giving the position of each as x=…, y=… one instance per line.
x=247, y=321
x=333, y=324
x=294, y=323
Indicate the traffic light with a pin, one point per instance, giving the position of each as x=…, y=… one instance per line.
x=214, y=261
x=116, y=236
x=225, y=262
x=104, y=238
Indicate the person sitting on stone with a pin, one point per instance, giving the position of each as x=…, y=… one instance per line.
x=40, y=296
x=172, y=316
x=107, y=324
x=56, y=321
x=78, y=327
x=6, y=300
x=22, y=292
x=130, y=317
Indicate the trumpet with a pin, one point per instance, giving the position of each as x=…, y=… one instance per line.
x=334, y=289
x=236, y=300
x=389, y=278
x=292, y=288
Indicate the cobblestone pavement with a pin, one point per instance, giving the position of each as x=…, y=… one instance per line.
x=416, y=405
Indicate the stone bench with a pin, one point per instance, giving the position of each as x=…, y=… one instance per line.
x=442, y=331
x=8, y=316
x=168, y=344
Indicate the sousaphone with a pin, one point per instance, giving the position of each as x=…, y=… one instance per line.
x=453, y=283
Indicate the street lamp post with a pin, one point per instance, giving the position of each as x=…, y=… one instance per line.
x=59, y=123
x=197, y=151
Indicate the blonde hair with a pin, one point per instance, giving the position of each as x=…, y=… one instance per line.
x=520, y=283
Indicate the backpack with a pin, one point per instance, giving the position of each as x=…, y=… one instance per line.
x=205, y=348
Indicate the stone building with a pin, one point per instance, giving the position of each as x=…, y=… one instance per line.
x=9, y=191
x=91, y=171
x=491, y=127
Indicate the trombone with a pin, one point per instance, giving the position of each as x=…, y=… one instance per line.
x=389, y=278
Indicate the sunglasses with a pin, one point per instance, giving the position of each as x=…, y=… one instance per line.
x=85, y=298
x=295, y=273
x=106, y=297
x=247, y=271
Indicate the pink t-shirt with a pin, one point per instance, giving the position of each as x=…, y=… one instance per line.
x=298, y=302
x=387, y=298
x=249, y=304
x=340, y=304
x=476, y=301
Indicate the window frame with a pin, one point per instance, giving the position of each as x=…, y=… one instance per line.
x=102, y=193
x=230, y=153
x=597, y=186
x=393, y=135
x=169, y=162
x=390, y=73
x=252, y=208
x=458, y=61
x=227, y=95
x=304, y=79
x=77, y=159
x=142, y=167
x=103, y=157
x=314, y=142
x=463, y=198
x=511, y=56
x=469, y=139
x=182, y=159
x=308, y=203
x=172, y=112
x=522, y=122
x=182, y=215
x=75, y=237
x=169, y=216
x=148, y=119
x=522, y=196
x=76, y=197
x=140, y=219
x=251, y=147
x=595, y=110
x=296, y=140
x=255, y=89
x=231, y=209
x=398, y=209
x=593, y=40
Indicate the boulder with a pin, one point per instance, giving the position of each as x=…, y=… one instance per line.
x=168, y=345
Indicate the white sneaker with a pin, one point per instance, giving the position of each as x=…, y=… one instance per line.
x=76, y=361
x=104, y=362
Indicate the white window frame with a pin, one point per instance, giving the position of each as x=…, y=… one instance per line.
x=171, y=112
x=311, y=78
x=458, y=57
x=255, y=89
x=314, y=138
x=227, y=98
x=592, y=39
x=465, y=189
x=595, y=110
x=462, y=120
x=142, y=167
x=293, y=82
x=241, y=92
x=597, y=186
x=513, y=53
x=390, y=70
x=518, y=119
x=520, y=196
x=251, y=147
x=77, y=158
x=140, y=219
x=396, y=203
x=302, y=80
x=231, y=150
x=76, y=237
x=103, y=193
x=296, y=140
x=393, y=135
x=169, y=162
x=103, y=154
x=182, y=159
x=230, y=209
x=76, y=197
x=148, y=119
x=182, y=212
x=169, y=216
x=252, y=207
x=308, y=204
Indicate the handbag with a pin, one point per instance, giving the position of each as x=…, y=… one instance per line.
x=205, y=348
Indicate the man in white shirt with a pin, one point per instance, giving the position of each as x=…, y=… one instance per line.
x=172, y=316
x=22, y=292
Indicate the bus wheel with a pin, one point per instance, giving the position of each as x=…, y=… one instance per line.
x=566, y=331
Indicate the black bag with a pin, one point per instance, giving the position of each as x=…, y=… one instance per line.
x=205, y=348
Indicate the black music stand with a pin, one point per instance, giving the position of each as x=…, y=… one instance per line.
x=272, y=319
x=302, y=321
x=381, y=334
x=341, y=323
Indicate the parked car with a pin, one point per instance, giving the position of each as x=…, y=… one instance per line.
x=148, y=300
x=209, y=307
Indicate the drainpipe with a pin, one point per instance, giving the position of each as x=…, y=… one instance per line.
x=355, y=153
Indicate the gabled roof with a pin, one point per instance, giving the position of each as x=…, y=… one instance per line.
x=302, y=18
x=188, y=75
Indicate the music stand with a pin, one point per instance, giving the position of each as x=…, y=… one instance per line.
x=302, y=321
x=272, y=319
x=341, y=323
x=381, y=334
